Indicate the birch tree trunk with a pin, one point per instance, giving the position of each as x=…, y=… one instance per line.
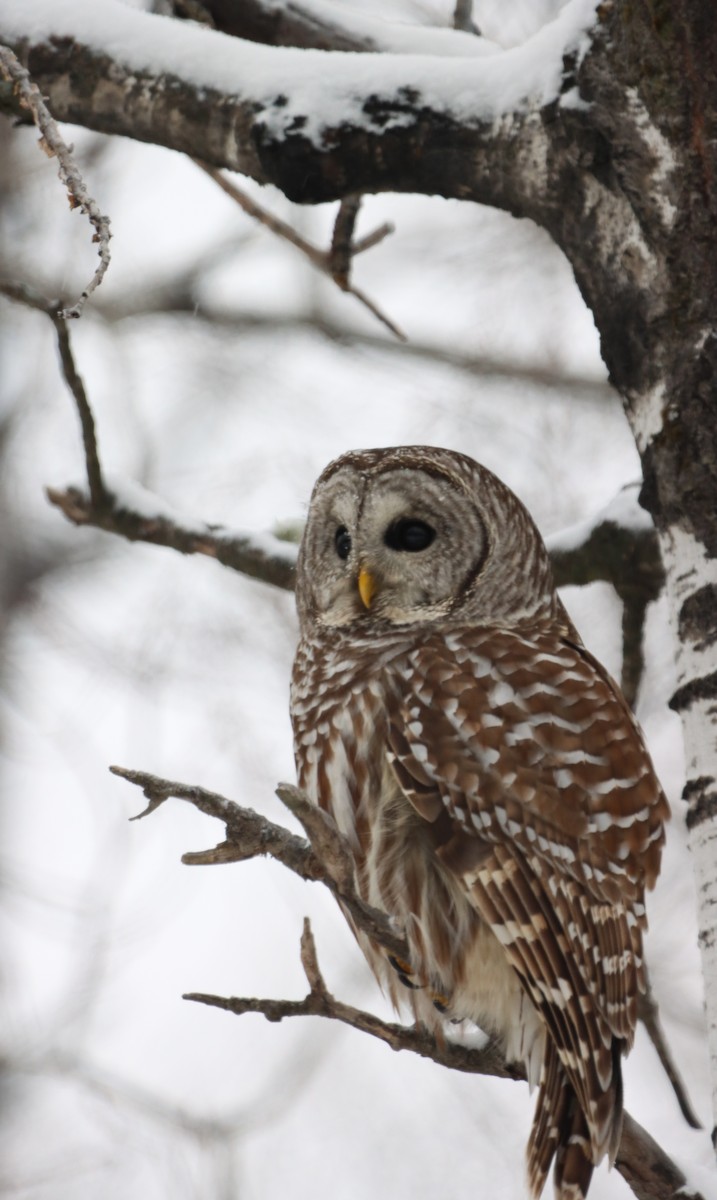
x=616, y=159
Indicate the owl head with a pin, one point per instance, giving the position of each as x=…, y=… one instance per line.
x=415, y=535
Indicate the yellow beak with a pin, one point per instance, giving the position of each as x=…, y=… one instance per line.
x=366, y=586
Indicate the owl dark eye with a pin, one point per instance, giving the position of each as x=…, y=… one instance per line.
x=342, y=541
x=409, y=534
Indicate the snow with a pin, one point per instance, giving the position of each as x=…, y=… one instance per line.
x=399, y=36
x=624, y=510
x=132, y=496
x=323, y=90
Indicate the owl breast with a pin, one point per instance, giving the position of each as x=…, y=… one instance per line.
x=458, y=968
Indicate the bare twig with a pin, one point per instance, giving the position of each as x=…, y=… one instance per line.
x=341, y=251
x=463, y=17
x=319, y=1002
x=319, y=259
x=98, y=492
x=182, y=297
x=326, y=841
x=99, y=495
x=51, y=141
x=249, y=835
x=649, y=1013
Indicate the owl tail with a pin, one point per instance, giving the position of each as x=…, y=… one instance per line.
x=560, y=1131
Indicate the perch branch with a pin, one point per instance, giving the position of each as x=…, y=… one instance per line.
x=336, y=262
x=319, y=1002
x=646, y=1168
x=51, y=141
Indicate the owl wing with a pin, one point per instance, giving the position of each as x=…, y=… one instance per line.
x=554, y=824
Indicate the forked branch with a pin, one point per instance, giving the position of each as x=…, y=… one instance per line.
x=335, y=262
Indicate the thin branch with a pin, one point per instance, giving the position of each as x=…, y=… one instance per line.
x=463, y=17
x=52, y=142
x=342, y=251
x=98, y=492
x=182, y=298
x=319, y=1002
x=648, y=1012
x=249, y=835
x=260, y=556
x=99, y=496
x=335, y=262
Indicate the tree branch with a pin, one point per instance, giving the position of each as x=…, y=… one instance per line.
x=648, y=1170
x=250, y=835
x=319, y=1002
x=29, y=99
x=182, y=297
x=649, y=1013
x=98, y=494
x=335, y=262
x=134, y=514
x=315, y=124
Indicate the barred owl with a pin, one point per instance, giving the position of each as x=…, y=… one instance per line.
x=487, y=774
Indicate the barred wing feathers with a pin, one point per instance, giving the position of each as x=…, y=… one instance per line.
x=526, y=743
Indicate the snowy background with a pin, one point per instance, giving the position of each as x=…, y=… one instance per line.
x=129, y=654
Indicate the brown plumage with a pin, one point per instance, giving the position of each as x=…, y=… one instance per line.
x=491, y=782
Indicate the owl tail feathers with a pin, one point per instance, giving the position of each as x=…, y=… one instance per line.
x=561, y=1131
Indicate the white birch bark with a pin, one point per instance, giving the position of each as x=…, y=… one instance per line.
x=689, y=570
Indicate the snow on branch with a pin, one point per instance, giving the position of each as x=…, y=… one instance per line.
x=132, y=512
x=323, y=858
x=318, y=125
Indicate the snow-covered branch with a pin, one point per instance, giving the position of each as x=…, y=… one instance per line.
x=319, y=126
x=134, y=513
